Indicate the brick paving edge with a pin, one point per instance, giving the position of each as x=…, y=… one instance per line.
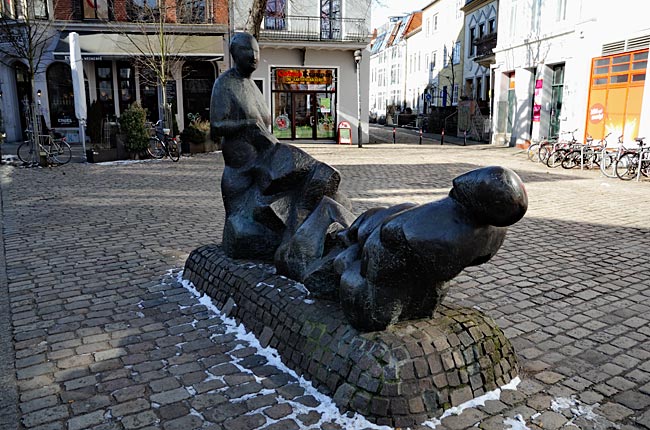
x=8, y=393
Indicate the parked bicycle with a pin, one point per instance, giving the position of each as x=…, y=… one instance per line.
x=54, y=145
x=609, y=169
x=560, y=149
x=161, y=143
x=634, y=162
x=588, y=156
x=539, y=151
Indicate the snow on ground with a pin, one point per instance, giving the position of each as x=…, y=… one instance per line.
x=327, y=409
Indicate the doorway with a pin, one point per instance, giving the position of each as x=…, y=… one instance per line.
x=24, y=93
x=313, y=116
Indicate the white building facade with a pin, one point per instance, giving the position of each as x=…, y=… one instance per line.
x=417, y=65
x=570, y=65
x=442, y=27
x=307, y=69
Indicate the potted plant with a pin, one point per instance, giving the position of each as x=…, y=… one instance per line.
x=196, y=137
x=134, y=130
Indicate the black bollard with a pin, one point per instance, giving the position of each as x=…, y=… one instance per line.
x=420, y=135
x=442, y=137
x=393, y=134
x=465, y=138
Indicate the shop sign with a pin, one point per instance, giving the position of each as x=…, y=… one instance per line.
x=304, y=76
x=282, y=122
x=596, y=113
x=537, y=113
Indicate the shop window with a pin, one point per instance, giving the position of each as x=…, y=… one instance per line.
x=104, y=74
x=275, y=15
x=61, y=96
x=198, y=79
x=125, y=84
x=512, y=102
x=149, y=94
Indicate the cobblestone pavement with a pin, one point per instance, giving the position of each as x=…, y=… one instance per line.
x=104, y=336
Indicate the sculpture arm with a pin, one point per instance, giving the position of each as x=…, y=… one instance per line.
x=228, y=127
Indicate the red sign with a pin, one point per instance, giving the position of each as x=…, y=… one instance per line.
x=596, y=113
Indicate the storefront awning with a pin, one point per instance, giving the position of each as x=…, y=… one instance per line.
x=114, y=45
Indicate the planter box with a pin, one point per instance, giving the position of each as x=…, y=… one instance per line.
x=194, y=148
x=101, y=155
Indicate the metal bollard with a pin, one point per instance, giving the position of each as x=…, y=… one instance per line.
x=465, y=138
x=420, y=135
x=442, y=137
x=393, y=134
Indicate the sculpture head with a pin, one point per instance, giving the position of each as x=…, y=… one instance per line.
x=245, y=52
x=494, y=195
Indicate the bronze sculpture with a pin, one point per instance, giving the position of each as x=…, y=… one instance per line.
x=388, y=265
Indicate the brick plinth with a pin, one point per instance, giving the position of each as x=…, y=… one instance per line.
x=400, y=377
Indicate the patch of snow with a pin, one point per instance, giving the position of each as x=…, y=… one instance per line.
x=516, y=423
x=264, y=284
x=309, y=301
x=328, y=410
x=125, y=162
x=478, y=401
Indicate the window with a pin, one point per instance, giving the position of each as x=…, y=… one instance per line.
x=456, y=53
x=7, y=8
x=481, y=30
x=330, y=19
x=61, y=96
x=459, y=13
x=428, y=26
x=126, y=84
x=513, y=17
x=561, y=10
x=435, y=22
x=97, y=9
x=40, y=9
x=492, y=26
x=190, y=11
x=471, y=47
x=434, y=54
x=426, y=60
x=445, y=57
x=557, y=88
x=143, y=10
x=454, y=99
x=535, y=16
x=104, y=74
x=275, y=14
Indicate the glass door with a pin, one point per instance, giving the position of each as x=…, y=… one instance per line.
x=304, y=116
x=326, y=127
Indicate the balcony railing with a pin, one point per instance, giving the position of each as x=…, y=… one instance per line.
x=311, y=28
x=485, y=45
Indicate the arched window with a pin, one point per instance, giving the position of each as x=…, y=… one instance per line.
x=61, y=96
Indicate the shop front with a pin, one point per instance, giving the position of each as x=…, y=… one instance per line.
x=616, y=95
x=303, y=103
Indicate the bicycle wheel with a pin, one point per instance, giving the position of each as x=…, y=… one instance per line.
x=607, y=163
x=60, y=152
x=626, y=166
x=556, y=157
x=544, y=152
x=156, y=148
x=571, y=160
x=173, y=152
x=533, y=152
x=26, y=153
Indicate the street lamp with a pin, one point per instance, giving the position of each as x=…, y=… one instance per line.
x=357, y=60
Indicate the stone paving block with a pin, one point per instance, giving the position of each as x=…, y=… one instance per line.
x=85, y=421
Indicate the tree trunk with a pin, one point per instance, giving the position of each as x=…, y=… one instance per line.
x=255, y=18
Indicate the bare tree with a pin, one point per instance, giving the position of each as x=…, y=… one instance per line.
x=25, y=35
x=255, y=17
x=156, y=42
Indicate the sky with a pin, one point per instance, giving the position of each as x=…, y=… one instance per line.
x=382, y=9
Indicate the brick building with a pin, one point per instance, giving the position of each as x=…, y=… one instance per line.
x=118, y=40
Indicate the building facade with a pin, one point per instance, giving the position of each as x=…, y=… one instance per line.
x=591, y=54
x=118, y=40
x=442, y=24
x=307, y=69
